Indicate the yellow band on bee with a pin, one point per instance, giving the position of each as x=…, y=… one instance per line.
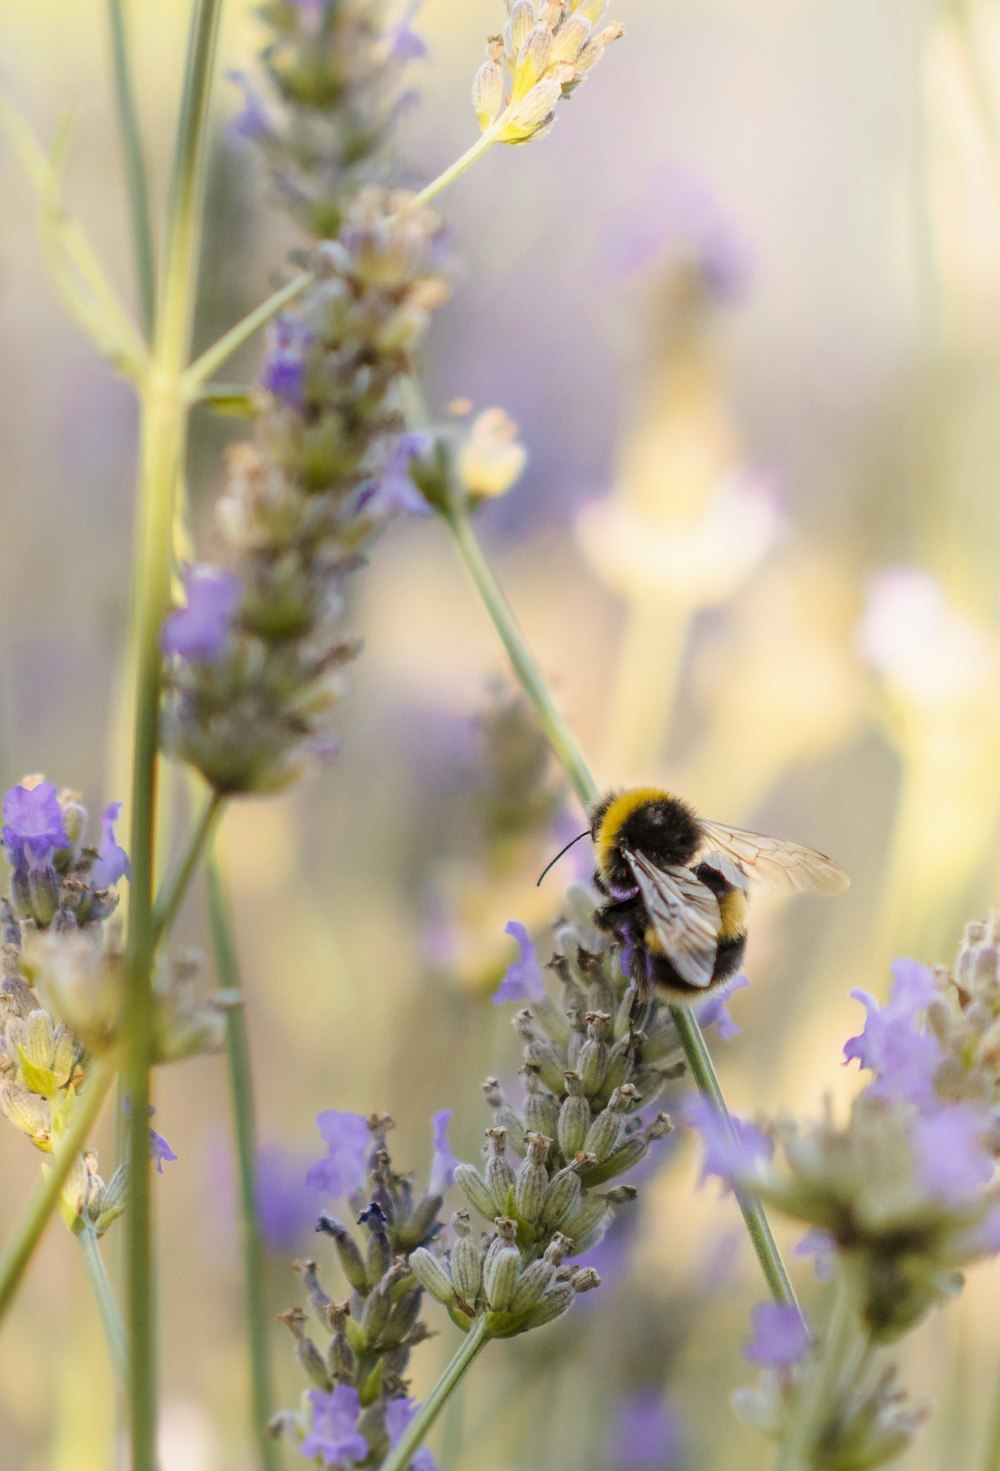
x=616, y=813
x=733, y=915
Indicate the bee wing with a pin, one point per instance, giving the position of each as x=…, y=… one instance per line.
x=786, y=867
x=683, y=912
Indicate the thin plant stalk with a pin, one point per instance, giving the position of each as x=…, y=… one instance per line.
x=244, y=1125
x=817, y=1396
x=413, y=1436
x=110, y=1316
x=568, y=753
x=163, y=438
x=454, y=170
x=136, y=184
x=175, y=885
x=648, y=667
x=43, y=1202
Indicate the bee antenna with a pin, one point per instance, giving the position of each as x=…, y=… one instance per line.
x=585, y=834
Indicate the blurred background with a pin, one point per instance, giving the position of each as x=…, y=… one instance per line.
x=744, y=304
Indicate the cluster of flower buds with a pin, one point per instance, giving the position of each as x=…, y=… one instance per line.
x=335, y=68
x=359, y=1396
x=589, y=1065
x=254, y=658
x=61, y=892
x=548, y=49
x=866, y=1423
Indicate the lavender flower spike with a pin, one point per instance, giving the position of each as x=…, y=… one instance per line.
x=33, y=824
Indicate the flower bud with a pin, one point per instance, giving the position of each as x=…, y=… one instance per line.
x=606, y=1130
x=574, y=1116
x=502, y=1267
x=431, y=1274
x=531, y=1285
x=517, y=30
x=351, y=1261
x=593, y=1058
x=532, y=59
x=499, y=1171
x=570, y=38
x=532, y=1181
x=468, y=1178
x=43, y=890
x=562, y=1197
x=318, y=1300
x=558, y=1300
x=487, y=91
x=466, y=1260
x=308, y=1355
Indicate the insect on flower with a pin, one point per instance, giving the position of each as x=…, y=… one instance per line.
x=676, y=886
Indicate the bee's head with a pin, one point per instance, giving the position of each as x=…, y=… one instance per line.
x=645, y=820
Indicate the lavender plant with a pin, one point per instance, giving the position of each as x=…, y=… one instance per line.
x=238, y=680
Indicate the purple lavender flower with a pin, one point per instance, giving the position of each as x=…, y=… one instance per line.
x=780, y=1336
x=252, y=121
x=903, y=1057
x=523, y=981
x=726, y=1157
x=952, y=1157
x=334, y=1435
x=112, y=860
x=404, y=43
x=159, y=1149
x=714, y=1010
x=345, y=1166
x=284, y=372
x=820, y=1245
x=33, y=825
x=443, y=1161
x=398, y=1414
x=684, y=222
x=391, y=491
x=286, y=1207
x=200, y=630
x=646, y=1434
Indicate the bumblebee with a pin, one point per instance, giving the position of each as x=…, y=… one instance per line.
x=676, y=887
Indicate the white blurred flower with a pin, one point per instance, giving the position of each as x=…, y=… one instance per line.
x=913, y=635
x=491, y=457
x=694, y=563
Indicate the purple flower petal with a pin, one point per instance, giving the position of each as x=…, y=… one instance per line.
x=200, y=630
x=952, y=1157
x=820, y=1245
x=714, y=1010
x=286, y=1207
x=112, y=860
x=894, y=1045
x=443, y=1161
x=523, y=981
x=398, y=1414
x=334, y=1435
x=284, y=373
x=727, y=1158
x=344, y=1168
x=33, y=824
x=780, y=1337
x=646, y=1434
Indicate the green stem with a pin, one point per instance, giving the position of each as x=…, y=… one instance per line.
x=175, y=885
x=817, y=1396
x=558, y=733
x=454, y=171
x=568, y=752
x=991, y=1460
x=110, y=1316
x=46, y=1197
x=241, y=1095
x=213, y=357
x=164, y=438
x=135, y=165
x=757, y=1224
x=412, y=1438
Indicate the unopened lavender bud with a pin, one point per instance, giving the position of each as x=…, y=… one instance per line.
x=585, y=1279
x=341, y=1360
x=318, y=1299
x=517, y=30
x=348, y=1252
x=562, y=1197
x=43, y=888
x=541, y=1112
x=505, y=1116
x=466, y=1260
x=430, y=1273
x=502, y=1268
x=574, y=1116
x=531, y=1285
x=419, y=1224
x=375, y=1313
x=625, y=1158
x=558, y=1300
x=532, y=1182
x=64, y=1053
x=606, y=1130
x=578, y=1037
x=570, y=38
x=27, y=1112
x=594, y=49
x=621, y=1061
x=591, y=1213
x=468, y=1178
x=110, y=1201
x=402, y=1318
x=593, y=1060
x=539, y=1053
x=378, y=1256
x=37, y=1042
x=306, y=1352
x=591, y=10
x=487, y=87
x=499, y=1171
x=532, y=60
